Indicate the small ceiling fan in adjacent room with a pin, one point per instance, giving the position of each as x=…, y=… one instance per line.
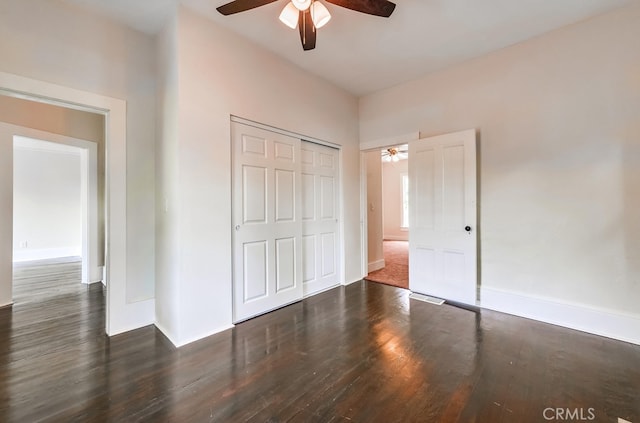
x=309, y=15
x=394, y=154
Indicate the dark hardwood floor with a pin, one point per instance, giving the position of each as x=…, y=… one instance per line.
x=361, y=353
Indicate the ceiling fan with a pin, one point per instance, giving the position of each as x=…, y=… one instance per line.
x=395, y=154
x=309, y=15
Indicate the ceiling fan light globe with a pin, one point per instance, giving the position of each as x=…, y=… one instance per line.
x=301, y=4
x=289, y=16
x=319, y=14
x=395, y=158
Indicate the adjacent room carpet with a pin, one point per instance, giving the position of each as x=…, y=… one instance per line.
x=396, y=269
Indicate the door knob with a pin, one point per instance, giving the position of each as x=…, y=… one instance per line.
x=237, y=227
x=467, y=228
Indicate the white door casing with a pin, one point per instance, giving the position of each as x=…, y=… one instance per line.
x=443, y=217
x=320, y=225
x=267, y=264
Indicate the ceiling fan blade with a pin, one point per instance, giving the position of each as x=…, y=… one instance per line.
x=241, y=5
x=382, y=8
x=307, y=30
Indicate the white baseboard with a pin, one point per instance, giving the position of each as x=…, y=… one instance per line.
x=623, y=327
x=204, y=335
x=45, y=253
x=396, y=238
x=376, y=265
x=179, y=344
x=96, y=274
x=132, y=316
x=165, y=333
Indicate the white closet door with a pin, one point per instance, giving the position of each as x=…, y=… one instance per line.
x=267, y=264
x=320, y=225
x=442, y=216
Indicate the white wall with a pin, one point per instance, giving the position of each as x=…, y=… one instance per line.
x=167, y=178
x=67, y=122
x=62, y=44
x=220, y=74
x=47, y=207
x=6, y=224
x=374, y=210
x=559, y=163
x=392, y=200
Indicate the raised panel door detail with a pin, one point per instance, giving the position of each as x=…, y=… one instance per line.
x=328, y=254
x=454, y=267
x=308, y=197
x=327, y=161
x=284, y=151
x=442, y=253
x=285, y=195
x=308, y=258
x=327, y=197
x=255, y=270
x=320, y=226
x=254, y=194
x=424, y=264
x=424, y=190
x=266, y=220
x=307, y=157
x=453, y=188
x=285, y=263
x=254, y=145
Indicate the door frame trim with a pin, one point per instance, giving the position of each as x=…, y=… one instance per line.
x=286, y=132
x=366, y=147
x=120, y=314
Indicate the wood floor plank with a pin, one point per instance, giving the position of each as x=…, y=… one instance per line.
x=361, y=353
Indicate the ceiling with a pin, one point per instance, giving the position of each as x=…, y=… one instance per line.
x=363, y=54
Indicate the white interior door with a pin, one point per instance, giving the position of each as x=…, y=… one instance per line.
x=442, y=216
x=320, y=227
x=267, y=265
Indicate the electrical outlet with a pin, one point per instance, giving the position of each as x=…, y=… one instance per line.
x=23, y=244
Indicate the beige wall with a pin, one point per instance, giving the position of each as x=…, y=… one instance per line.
x=55, y=119
x=559, y=158
x=374, y=210
x=61, y=44
x=219, y=74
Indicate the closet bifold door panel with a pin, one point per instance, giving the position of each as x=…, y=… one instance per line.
x=266, y=219
x=320, y=225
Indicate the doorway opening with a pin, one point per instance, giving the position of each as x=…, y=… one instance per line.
x=121, y=314
x=388, y=215
x=442, y=214
x=56, y=230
